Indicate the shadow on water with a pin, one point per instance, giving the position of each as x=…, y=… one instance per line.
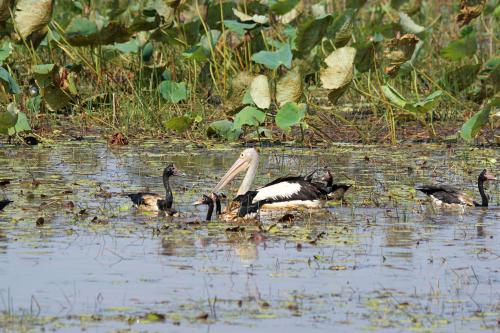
x=75, y=255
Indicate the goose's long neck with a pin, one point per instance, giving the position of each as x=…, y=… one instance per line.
x=169, y=198
x=484, y=197
x=246, y=184
x=210, y=211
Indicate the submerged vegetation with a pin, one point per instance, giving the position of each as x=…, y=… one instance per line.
x=253, y=70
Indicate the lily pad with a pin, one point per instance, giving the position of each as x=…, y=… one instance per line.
x=290, y=114
x=32, y=16
x=5, y=51
x=179, y=124
x=238, y=27
x=461, y=48
x=310, y=33
x=249, y=115
x=281, y=7
x=261, y=19
x=8, y=118
x=223, y=129
x=273, y=60
x=173, y=92
x=260, y=92
x=398, y=51
x=289, y=87
x=469, y=10
x=472, y=126
x=9, y=82
x=339, y=71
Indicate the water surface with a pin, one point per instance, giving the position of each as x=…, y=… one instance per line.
x=383, y=261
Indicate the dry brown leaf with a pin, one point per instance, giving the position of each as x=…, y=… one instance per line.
x=32, y=16
x=398, y=51
x=469, y=10
x=289, y=87
x=260, y=92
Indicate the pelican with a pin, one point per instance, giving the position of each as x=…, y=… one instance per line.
x=445, y=196
x=284, y=192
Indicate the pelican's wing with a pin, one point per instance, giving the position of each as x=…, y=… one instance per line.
x=288, y=189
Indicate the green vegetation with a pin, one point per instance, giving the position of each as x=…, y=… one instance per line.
x=281, y=69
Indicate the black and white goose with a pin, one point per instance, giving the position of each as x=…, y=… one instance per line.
x=153, y=202
x=329, y=190
x=284, y=192
x=209, y=201
x=445, y=196
x=4, y=203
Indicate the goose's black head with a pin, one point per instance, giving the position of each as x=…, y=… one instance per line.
x=486, y=175
x=327, y=177
x=171, y=170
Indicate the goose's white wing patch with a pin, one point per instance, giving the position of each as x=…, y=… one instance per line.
x=282, y=190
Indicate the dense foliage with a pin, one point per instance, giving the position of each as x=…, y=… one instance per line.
x=254, y=68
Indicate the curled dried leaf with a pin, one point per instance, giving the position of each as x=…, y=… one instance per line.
x=260, y=92
x=398, y=51
x=469, y=10
x=32, y=16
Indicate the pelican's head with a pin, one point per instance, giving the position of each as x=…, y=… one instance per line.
x=248, y=157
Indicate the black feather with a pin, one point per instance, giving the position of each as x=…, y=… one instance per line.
x=445, y=193
x=4, y=203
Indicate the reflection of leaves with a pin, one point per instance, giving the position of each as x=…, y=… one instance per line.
x=289, y=115
x=173, y=92
x=223, y=129
x=460, y=78
x=339, y=71
x=273, y=60
x=472, y=126
x=469, y=10
x=398, y=51
x=310, y=33
x=260, y=92
x=461, y=48
x=249, y=115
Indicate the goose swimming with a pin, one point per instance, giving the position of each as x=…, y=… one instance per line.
x=446, y=196
x=153, y=202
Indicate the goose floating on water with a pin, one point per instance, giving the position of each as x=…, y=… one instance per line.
x=446, y=196
x=284, y=192
x=330, y=190
x=4, y=203
x=209, y=201
x=154, y=202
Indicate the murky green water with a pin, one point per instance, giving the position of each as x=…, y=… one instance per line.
x=383, y=262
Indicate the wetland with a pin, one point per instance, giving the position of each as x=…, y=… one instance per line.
x=76, y=256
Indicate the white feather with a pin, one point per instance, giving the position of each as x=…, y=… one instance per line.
x=282, y=190
x=292, y=204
